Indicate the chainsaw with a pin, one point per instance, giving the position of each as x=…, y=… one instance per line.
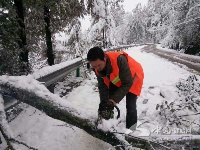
x=108, y=114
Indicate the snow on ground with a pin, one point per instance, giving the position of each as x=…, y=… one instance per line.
x=43, y=132
x=160, y=77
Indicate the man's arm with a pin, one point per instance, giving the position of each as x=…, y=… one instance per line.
x=103, y=89
x=125, y=77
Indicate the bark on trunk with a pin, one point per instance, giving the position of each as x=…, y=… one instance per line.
x=22, y=36
x=50, y=55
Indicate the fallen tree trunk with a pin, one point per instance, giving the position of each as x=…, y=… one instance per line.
x=45, y=103
x=58, y=112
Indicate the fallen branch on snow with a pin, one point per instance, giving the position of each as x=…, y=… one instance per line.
x=7, y=132
x=54, y=108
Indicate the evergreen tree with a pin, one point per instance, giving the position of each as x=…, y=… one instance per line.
x=25, y=25
x=13, y=46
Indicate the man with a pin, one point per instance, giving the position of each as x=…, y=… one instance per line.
x=118, y=75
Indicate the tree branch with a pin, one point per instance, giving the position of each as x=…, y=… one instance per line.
x=57, y=111
x=22, y=143
x=54, y=107
x=4, y=127
x=189, y=114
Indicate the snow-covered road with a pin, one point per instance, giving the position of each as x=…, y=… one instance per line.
x=192, y=62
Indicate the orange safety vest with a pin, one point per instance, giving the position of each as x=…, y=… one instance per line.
x=136, y=70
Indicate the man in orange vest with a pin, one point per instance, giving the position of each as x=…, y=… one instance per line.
x=118, y=75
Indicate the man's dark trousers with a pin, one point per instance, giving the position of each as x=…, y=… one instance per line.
x=131, y=108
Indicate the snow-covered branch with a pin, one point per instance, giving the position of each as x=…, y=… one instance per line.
x=7, y=132
x=36, y=95
x=55, y=107
x=187, y=21
x=4, y=127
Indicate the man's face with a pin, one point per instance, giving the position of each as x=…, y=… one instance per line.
x=98, y=64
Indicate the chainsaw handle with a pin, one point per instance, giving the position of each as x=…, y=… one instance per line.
x=118, y=111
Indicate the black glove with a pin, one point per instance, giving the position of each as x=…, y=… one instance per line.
x=106, y=110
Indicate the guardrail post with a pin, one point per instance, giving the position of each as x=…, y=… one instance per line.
x=51, y=88
x=78, y=72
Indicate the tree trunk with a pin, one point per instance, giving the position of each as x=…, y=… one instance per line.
x=56, y=110
x=22, y=36
x=50, y=55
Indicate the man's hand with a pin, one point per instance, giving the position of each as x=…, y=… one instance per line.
x=106, y=105
x=111, y=102
x=106, y=109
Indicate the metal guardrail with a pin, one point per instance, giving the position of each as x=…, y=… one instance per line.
x=122, y=47
x=59, y=74
x=53, y=77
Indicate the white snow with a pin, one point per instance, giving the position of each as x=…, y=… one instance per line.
x=49, y=69
x=42, y=132
x=46, y=133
